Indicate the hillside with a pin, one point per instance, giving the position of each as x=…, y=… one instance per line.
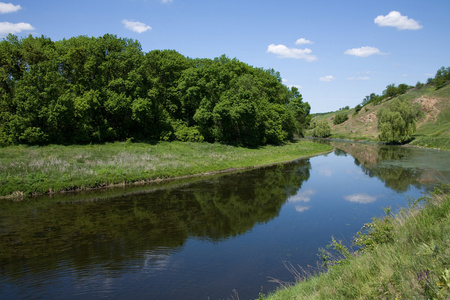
x=433, y=130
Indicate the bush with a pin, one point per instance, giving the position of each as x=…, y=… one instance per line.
x=322, y=129
x=357, y=109
x=340, y=118
x=398, y=123
x=187, y=134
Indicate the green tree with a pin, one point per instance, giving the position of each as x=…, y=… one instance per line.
x=300, y=110
x=340, y=118
x=398, y=123
x=322, y=129
x=442, y=77
x=390, y=91
x=87, y=89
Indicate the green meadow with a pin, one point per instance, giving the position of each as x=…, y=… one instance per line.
x=39, y=170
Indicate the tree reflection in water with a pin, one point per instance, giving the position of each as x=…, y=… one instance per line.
x=393, y=165
x=108, y=232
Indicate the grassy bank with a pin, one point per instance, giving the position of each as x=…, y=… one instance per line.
x=433, y=130
x=403, y=257
x=37, y=170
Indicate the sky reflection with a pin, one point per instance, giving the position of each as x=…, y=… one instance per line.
x=360, y=198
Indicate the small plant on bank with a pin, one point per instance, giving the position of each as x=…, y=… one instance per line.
x=340, y=118
x=377, y=232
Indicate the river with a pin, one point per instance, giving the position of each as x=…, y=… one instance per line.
x=225, y=236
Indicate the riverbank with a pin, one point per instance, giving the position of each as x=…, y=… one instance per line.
x=55, y=169
x=402, y=257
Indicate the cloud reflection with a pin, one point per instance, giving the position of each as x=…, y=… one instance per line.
x=326, y=172
x=301, y=209
x=360, y=198
x=303, y=196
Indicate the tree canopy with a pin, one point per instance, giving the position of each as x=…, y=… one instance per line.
x=397, y=123
x=87, y=89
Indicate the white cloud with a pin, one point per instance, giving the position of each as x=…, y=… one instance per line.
x=364, y=51
x=359, y=78
x=303, y=196
x=6, y=27
x=302, y=41
x=166, y=1
x=290, y=85
x=327, y=78
x=138, y=27
x=8, y=8
x=360, y=198
x=284, y=52
x=395, y=19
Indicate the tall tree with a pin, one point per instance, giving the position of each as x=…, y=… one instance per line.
x=300, y=110
x=398, y=123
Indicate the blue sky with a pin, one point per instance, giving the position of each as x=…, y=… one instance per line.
x=336, y=52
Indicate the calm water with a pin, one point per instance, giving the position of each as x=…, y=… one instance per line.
x=205, y=239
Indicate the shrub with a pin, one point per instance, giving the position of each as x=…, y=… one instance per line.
x=187, y=134
x=322, y=129
x=340, y=118
x=398, y=123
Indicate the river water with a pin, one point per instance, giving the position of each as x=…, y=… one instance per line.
x=222, y=237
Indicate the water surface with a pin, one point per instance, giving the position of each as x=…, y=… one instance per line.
x=207, y=238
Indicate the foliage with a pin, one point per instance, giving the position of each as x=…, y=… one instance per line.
x=377, y=232
x=398, y=123
x=300, y=111
x=90, y=90
x=442, y=77
x=322, y=129
x=340, y=118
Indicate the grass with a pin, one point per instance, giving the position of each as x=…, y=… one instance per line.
x=39, y=170
x=436, y=133
x=402, y=257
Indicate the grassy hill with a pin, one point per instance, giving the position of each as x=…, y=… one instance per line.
x=433, y=130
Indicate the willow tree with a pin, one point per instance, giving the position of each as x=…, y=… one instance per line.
x=397, y=123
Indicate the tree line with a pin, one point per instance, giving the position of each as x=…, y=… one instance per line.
x=441, y=79
x=103, y=89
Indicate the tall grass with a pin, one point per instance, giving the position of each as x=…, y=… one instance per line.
x=402, y=257
x=34, y=170
x=436, y=133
